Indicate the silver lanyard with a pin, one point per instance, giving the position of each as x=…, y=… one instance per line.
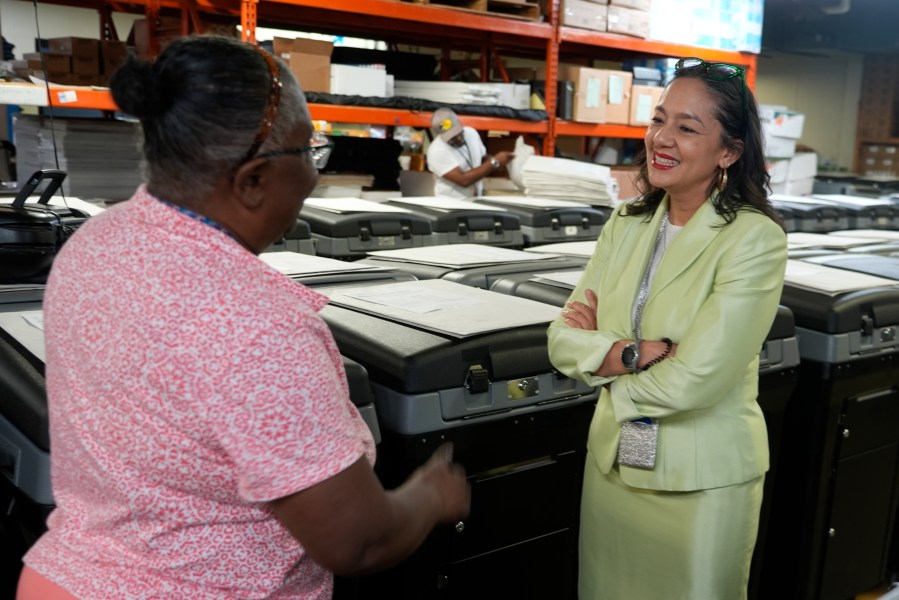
x=640, y=302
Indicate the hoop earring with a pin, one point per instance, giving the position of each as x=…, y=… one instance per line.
x=722, y=180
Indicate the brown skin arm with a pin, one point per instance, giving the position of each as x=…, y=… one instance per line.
x=583, y=316
x=350, y=525
x=472, y=176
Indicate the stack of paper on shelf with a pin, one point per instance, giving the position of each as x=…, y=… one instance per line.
x=513, y=95
x=101, y=157
x=562, y=178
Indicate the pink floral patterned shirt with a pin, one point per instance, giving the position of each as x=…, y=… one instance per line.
x=189, y=384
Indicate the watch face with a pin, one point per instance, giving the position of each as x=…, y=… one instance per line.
x=629, y=356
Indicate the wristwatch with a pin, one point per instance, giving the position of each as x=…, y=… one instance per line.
x=494, y=163
x=630, y=357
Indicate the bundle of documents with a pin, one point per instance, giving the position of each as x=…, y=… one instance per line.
x=513, y=95
x=562, y=178
x=102, y=157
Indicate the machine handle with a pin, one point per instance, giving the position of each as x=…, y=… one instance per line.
x=56, y=178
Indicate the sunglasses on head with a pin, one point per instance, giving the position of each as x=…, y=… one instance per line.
x=715, y=71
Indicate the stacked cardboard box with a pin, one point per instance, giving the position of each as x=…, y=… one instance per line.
x=600, y=95
x=309, y=61
x=794, y=176
x=629, y=17
x=781, y=128
x=585, y=14
x=74, y=61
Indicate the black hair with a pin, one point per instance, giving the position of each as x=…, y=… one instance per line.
x=200, y=105
x=748, y=181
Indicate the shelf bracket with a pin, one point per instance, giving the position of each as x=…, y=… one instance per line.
x=152, y=12
x=107, y=25
x=190, y=18
x=550, y=93
x=248, y=20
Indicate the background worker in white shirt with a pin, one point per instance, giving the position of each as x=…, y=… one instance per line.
x=458, y=158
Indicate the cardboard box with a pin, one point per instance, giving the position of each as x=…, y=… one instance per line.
x=644, y=99
x=86, y=65
x=168, y=29
x=310, y=62
x=585, y=15
x=777, y=170
x=358, y=81
x=625, y=175
x=644, y=5
x=803, y=165
x=589, y=106
x=600, y=95
x=617, y=96
x=110, y=49
x=628, y=21
x=74, y=46
x=776, y=146
x=782, y=122
x=55, y=63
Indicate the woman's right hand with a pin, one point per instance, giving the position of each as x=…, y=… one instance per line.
x=351, y=525
x=447, y=480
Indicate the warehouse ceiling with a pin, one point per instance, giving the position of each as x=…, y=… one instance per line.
x=816, y=27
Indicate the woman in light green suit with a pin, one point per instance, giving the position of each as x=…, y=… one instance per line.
x=669, y=319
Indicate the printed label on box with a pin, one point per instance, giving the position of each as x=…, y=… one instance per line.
x=616, y=89
x=594, y=93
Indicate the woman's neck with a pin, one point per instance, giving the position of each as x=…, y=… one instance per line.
x=680, y=210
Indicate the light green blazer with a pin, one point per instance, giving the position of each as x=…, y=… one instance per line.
x=715, y=294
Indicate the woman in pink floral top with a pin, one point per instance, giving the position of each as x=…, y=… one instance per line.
x=204, y=445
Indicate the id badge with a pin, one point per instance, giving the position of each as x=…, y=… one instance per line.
x=638, y=443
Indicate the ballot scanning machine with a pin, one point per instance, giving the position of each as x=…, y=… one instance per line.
x=458, y=221
x=864, y=213
x=470, y=264
x=299, y=239
x=454, y=363
x=547, y=220
x=812, y=216
x=347, y=228
x=834, y=509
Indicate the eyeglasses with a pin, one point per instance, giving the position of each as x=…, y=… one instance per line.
x=319, y=150
x=271, y=109
x=716, y=71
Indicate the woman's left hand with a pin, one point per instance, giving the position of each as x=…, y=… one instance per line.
x=578, y=315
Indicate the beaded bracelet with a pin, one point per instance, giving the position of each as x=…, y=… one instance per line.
x=660, y=357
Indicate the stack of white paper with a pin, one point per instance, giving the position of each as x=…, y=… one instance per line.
x=445, y=306
x=513, y=95
x=830, y=280
x=102, y=157
x=461, y=255
x=550, y=177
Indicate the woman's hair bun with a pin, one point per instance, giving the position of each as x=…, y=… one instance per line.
x=137, y=90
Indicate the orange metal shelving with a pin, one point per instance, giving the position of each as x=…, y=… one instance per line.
x=434, y=25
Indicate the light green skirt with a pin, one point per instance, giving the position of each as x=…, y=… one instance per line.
x=640, y=544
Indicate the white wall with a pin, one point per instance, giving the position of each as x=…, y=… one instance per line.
x=826, y=89
x=17, y=23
